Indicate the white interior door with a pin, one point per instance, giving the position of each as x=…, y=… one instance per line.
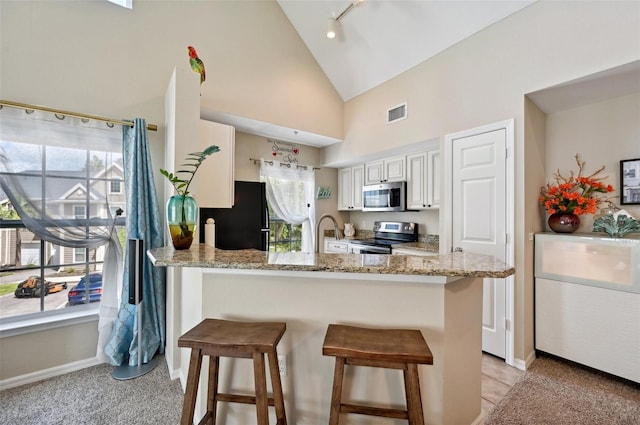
x=479, y=219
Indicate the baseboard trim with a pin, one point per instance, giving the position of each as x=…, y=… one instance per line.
x=479, y=420
x=524, y=364
x=40, y=375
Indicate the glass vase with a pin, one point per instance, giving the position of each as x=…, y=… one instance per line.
x=182, y=216
x=564, y=222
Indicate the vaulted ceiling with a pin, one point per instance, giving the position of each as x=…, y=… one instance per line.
x=379, y=39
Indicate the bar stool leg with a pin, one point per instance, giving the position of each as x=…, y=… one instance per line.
x=260, y=378
x=414, y=400
x=276, y=386
x=212, y=390
x=191, y=389
x=336, y=394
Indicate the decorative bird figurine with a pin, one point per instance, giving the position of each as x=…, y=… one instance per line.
x=196, y=63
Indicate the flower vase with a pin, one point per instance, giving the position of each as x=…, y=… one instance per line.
x=564, y=222
x=182, y=216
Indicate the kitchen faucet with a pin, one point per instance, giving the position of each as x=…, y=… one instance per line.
x=336, y=231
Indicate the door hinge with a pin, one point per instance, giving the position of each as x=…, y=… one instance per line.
x=506, y=153
x=507, y=325
x=506, y=238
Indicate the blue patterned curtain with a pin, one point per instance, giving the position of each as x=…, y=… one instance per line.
x=143, y=222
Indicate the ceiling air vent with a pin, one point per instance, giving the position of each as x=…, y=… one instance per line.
x=397, y=113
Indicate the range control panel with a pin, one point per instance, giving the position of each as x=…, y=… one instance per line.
x=395, y=227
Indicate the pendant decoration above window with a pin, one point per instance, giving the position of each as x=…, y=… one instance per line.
x=288, y=151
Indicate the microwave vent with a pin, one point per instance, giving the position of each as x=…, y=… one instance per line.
x=397, y=113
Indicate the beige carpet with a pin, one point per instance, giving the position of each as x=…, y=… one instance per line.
x=557, y=392
x=92, y=397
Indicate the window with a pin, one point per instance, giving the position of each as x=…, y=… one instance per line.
x=79, y=211
x=79, y=255
x=290, y=196
x=283, y=236
x=75, y=167
x=115, y=187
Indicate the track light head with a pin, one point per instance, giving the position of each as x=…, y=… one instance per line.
x=332, y=28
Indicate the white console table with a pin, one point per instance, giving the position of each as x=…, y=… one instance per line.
x=587, y=301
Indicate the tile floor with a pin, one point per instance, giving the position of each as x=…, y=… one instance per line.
x=497, y=378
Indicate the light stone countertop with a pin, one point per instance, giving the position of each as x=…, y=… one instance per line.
x=419, y=246
x=455, y=264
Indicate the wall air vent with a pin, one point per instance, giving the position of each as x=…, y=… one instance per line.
x=397, y=113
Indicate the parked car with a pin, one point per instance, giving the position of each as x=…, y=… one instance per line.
x=78, y=293
x=32, y=287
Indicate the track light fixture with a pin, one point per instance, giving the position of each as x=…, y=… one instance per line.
x=332, y=28
x=332, y=23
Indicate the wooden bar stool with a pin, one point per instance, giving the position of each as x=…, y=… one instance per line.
x=385, y=348
x=224, y=338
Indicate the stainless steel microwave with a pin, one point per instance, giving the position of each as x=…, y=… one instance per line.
x=390, y=196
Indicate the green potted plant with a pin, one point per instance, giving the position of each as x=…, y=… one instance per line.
x=182, y=209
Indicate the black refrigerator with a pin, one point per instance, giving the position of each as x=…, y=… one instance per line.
x=244, y=226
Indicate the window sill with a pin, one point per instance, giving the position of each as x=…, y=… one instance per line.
x=36, y=322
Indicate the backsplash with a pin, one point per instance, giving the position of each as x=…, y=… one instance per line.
x=365, y=234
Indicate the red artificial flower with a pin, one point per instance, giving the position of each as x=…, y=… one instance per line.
x=575, y=194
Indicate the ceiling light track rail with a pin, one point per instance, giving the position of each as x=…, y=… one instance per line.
x=60, y=114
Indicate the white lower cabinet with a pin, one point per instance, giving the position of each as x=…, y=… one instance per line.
x=587, y=304
x=333, y=246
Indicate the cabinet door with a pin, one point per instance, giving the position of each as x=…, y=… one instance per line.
x=332, y=246
x=416, y=181
x=345, y=188
x=374, y=172
x=395, y=169
x=433, y=179
x=357, y=181
x=215, y=177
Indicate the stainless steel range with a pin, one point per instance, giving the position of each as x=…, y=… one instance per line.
x=386, y=234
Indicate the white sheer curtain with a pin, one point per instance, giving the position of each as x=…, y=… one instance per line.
x=290, y=192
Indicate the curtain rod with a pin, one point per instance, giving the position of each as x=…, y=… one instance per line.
x=284, y=164
x=150, y=127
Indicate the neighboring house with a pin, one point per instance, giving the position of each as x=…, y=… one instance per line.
x=66, y=197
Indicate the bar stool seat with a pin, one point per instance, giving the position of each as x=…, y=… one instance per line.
x=400, y=349
x=224, y=338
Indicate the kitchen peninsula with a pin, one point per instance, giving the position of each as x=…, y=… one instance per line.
x=440, y=295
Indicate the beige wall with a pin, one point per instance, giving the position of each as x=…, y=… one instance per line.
x=250, y=146
x=484, y=79
x=37, y=351
x=98, y=58
x=534, y=133
x=602, y=133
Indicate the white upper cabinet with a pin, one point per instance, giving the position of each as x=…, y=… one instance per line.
x=423, y=180
x=386, y=170
x=433, y=179
x=417, y=181
x=216, y=174
x=350, y=181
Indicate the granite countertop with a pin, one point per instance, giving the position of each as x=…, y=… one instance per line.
x=419, y=246
x=454, y=264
